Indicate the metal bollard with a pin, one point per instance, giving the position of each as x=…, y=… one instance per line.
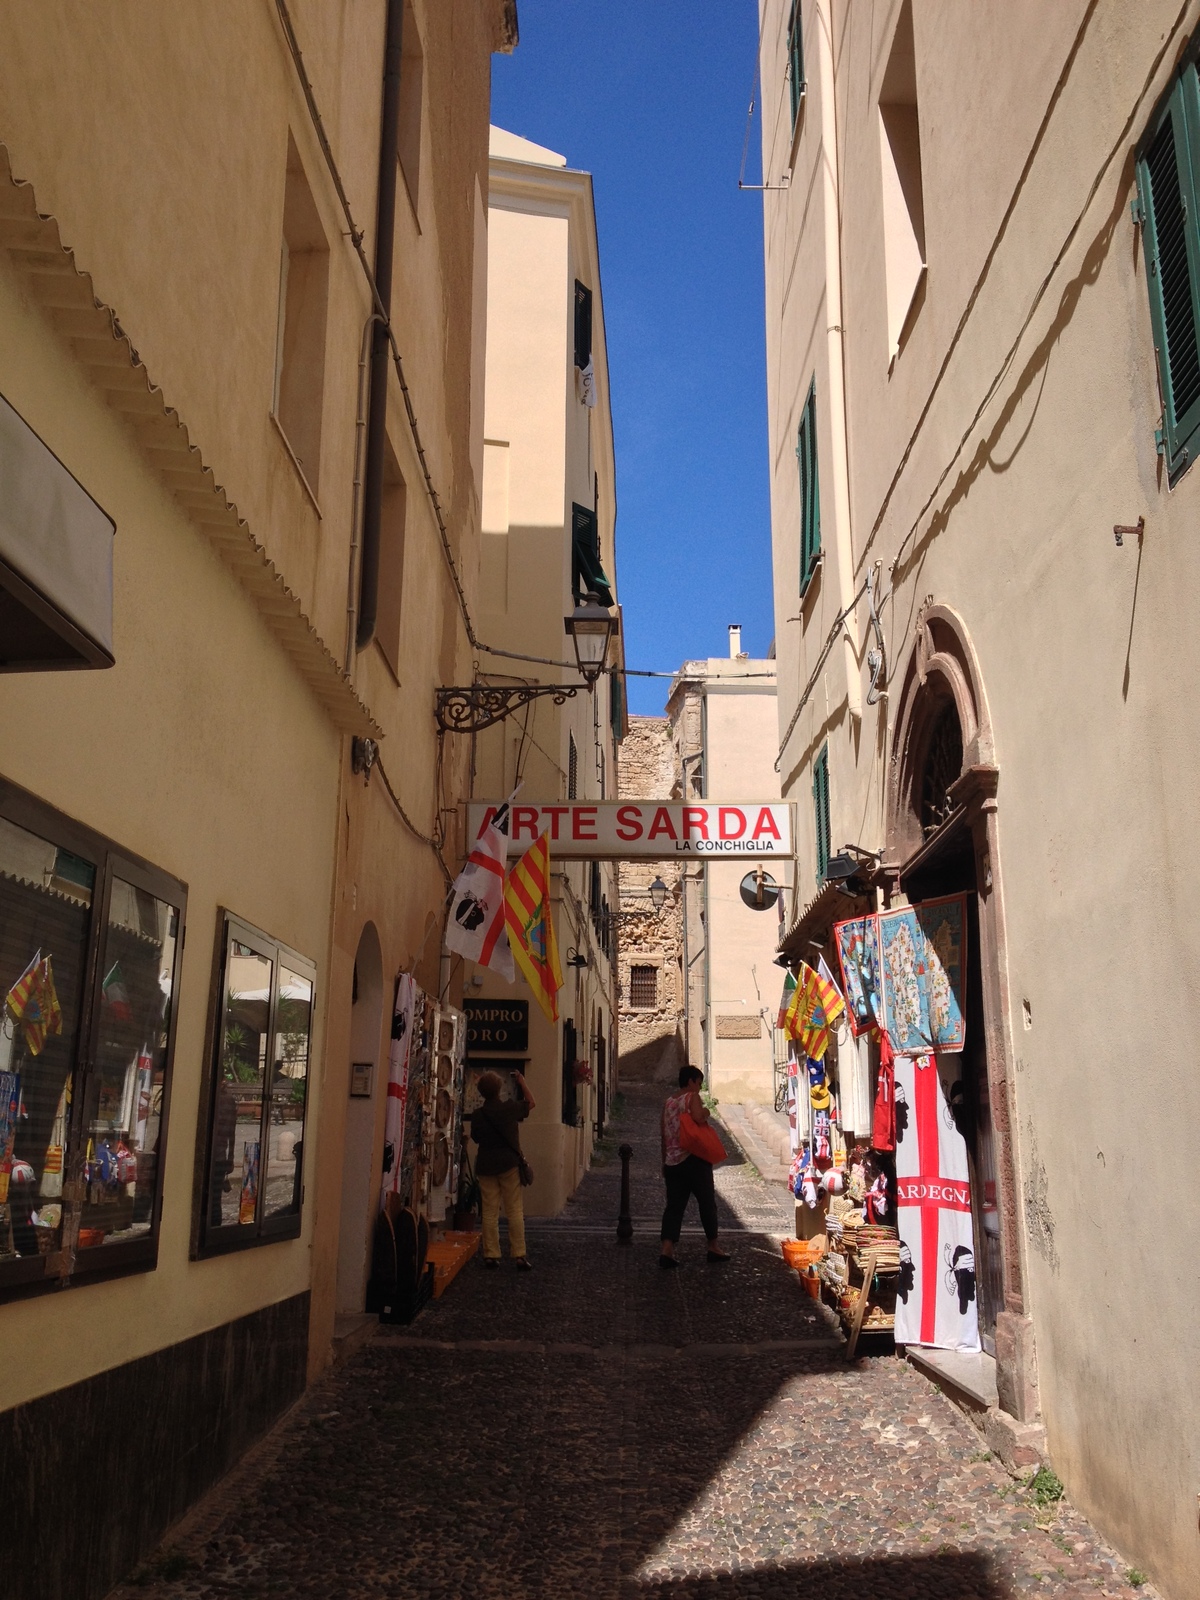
x=625, y=1221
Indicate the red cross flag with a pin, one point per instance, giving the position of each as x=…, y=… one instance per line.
x=935, y=1302
x=475, y=926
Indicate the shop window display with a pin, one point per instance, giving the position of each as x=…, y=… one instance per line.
x=259, y=1092
x=89, y=940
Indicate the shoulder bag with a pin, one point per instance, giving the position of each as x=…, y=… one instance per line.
x=700, y=1139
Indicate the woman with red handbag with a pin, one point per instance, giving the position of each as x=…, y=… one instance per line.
x=690, y=1148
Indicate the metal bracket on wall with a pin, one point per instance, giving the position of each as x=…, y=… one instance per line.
x=479, y=705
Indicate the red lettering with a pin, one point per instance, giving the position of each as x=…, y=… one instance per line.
x=695, y=817
x=731, y=811
x=629, y=823
x=765, y=824
x=662, y=825
x=524, y=817
x=488, y=815
x=554, y=813
x=581, y=817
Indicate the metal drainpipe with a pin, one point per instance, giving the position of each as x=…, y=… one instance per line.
x=835, y=340
x=385, y=231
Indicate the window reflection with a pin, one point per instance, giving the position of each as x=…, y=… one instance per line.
x=45, y=913
x=237, y=1121
x=289, y=1089
x=125, y=1089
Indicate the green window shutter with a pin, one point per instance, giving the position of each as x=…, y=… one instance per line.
x=810, y=494
x=583, y=324
x=586, y=571
x=821, y=811
x=617, y=705
x=1171, y=229
x=795, y=66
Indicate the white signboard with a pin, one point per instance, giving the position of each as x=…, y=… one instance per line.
x=648, y=830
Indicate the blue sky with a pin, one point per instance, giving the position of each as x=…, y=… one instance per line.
x=650, y=97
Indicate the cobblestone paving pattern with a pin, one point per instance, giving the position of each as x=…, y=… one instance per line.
x=599, y=1427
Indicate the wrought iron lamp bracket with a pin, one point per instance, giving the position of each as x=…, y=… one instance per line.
x=479, y=705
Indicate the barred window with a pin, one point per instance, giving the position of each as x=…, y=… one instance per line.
x=643, y=988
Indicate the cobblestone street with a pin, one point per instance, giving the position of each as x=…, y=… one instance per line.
x=598, y=1427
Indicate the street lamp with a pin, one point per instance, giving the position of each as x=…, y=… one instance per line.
x=592, y=627
x=658, y=895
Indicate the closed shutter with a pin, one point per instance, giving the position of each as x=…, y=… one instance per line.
x=810, y=494
x=570, y=1102
x=1166, y=178
x=617, y=705
x=821, y=811
x=572, y=768
x=587, y=575
x=795, y=66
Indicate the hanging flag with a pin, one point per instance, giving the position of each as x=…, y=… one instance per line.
x=404, y=1012
x=807, y=1020
x=33, y=1002
x=831, y=997
x=531, y=925
x=789, y=989
x=475, y=927
x=115, y=995
x=936, y=1300
x=858, y=956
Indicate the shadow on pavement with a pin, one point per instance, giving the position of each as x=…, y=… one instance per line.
x=956, y=1575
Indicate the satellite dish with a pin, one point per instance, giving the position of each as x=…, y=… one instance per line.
x=759, y=890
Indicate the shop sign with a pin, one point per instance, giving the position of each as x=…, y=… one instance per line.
x=648, y=830
x=496, y=1025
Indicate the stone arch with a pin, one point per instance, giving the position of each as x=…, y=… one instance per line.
x=942, y=673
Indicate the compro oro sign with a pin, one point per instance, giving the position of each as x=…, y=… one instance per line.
x=649, y=830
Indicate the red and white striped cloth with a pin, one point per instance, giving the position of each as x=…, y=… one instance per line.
x=936, y=1304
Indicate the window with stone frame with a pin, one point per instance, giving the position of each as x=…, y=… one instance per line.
x=643, y=988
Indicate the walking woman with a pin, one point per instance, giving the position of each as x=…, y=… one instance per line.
x=494, y=1128
x=686, y=1175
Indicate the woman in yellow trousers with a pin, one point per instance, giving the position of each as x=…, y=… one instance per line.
x=495, y=1129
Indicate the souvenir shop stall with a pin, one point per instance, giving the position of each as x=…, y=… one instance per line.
x=881, y=1168
x=414, y=1255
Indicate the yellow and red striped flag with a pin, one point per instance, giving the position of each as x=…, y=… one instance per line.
x=814, y=1007
x=531, y=926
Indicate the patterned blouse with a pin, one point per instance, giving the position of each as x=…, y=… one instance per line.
x=676, y=1105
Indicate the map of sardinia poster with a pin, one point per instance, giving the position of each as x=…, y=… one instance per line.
x=923, y=964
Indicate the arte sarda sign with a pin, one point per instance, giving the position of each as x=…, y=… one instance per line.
x=496, y=1025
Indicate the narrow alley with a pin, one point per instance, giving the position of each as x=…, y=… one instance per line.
x=601, y=1428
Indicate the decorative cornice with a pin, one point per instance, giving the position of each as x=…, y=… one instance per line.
x=65, y=293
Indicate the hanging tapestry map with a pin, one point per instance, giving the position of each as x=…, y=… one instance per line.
x=923, y=950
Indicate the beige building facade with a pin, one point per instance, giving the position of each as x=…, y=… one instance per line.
x=549, y=513
x=192, y=873
x=723, y=719
x=982, y=564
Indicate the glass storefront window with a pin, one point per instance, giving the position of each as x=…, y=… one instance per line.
x=88, y=969
x=259, y=1096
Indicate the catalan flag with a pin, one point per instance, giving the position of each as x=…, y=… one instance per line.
x=531, y=926
x=33, y=1002
x=815, y=1007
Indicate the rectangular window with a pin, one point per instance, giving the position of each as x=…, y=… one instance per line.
x=570, y=1094
x=1168, y=207
x=572, y=768
x=616, y=688
x=810, y=495
x=258, y=1096
x=821, y=811
x=583, y=325
x=795, y=64
x=643, y=988
x=89, y=945
x=393, y=515
x=300, y=331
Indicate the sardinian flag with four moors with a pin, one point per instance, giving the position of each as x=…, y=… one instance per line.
x=935, y=1302
x=475, y=927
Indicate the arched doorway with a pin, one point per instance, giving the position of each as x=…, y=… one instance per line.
x=942, y=837
x=358, y=1166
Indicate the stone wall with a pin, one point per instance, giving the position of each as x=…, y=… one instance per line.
x=651, y=1039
